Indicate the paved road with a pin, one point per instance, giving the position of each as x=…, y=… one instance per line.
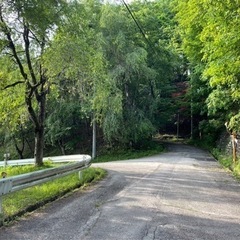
x=181, y=194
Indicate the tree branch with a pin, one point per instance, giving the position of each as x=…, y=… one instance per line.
x=27, y=52
x=12, y=85
x=11, y=45
x=28, y=97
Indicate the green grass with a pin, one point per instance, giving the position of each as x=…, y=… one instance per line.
x=236, y=170
x=16, y=170
x=114, y=154
x=18, y=203
x=227, y=162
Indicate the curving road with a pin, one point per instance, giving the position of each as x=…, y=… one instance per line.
x=181, y=194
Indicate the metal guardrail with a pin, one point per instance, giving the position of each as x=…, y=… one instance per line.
x=56, y=159
x=16, y=183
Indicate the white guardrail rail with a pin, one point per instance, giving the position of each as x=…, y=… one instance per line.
x=75, y=163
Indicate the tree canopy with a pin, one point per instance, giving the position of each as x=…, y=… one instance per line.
x=210, y=40
x=134, y=69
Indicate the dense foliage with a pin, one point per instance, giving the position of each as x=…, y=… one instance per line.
x=134, y=69
x=210, y=40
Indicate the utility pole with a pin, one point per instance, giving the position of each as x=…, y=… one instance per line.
x=189, y=73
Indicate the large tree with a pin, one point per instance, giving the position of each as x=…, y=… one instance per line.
x=26, y=27
x=77, y=66
x=210, y=39
x=143, y=64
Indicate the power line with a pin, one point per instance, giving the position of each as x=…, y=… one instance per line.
x=138, y=25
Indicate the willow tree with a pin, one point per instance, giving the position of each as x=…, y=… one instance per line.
x=157, y=22
x=26, y=27
x=128, y=67
x=142, y=62
x=78, y=68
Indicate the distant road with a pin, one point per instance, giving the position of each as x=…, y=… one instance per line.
x=182, y=194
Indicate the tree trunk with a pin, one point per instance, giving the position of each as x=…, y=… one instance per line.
x=39, y=144
x=19, y=151
x=29, y=145
x=94, y=139
x=62, y=148
x=38, y=120
x=234, y=147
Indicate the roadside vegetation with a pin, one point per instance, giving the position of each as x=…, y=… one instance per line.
x=119, y=72
x=115, y=154
x=173, y=72
x=226, y=160
x=21, y=202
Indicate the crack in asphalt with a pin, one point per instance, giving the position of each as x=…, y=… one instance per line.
x=150, y=233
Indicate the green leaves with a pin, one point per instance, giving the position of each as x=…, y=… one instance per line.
x=99, y=63
x=209, y=30
x=11, y=96
x=41, y=15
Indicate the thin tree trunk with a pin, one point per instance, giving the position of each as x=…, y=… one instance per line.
x=94, y=139
x=61, y=145
x=29, y=145
x=234, y=147
x=19, y=151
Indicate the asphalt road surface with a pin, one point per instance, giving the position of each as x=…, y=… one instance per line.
x=180, y=194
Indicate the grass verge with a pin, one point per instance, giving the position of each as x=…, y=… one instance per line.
x=18, y=203
x=224, y=159
x=227, y=162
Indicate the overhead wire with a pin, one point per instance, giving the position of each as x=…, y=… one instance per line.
x=138, y=25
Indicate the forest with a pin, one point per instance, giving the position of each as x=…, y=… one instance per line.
x=117, y=71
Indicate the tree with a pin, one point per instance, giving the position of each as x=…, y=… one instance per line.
x=127, y=66
x=24, y=39
x=63, y=124
x=221, y=53
x=150, y=27
x=76, y=63
x=210, y=41
x=14, y=117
